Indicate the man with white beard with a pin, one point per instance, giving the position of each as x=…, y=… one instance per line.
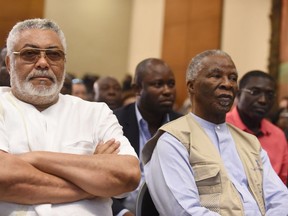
x=60, y=155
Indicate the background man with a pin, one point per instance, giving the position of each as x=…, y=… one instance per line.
x=154, y=84
x=256, y=96
x=79, y=89
x=108, y=90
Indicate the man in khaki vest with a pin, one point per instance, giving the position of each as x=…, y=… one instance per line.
x=199, y=165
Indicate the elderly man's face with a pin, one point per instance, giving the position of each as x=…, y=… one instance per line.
x=214, y=89
x=37, y=80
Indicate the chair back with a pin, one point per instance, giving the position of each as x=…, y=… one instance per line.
x=144, y=203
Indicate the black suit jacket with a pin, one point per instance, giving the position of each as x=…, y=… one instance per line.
x=127, y=118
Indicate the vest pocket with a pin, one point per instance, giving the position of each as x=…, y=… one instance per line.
x=208, y=181
x=207, y=178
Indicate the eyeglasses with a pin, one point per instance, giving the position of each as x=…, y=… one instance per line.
x=32, y=55
x=77, y=81
x=270, y=95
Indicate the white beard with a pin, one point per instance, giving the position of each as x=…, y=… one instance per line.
x=41, y=95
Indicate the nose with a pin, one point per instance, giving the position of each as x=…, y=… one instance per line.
x=167, y=89
x=227, y=83
x=42, y=62
x=42, y=54
x=111, y=91
x=262, y=99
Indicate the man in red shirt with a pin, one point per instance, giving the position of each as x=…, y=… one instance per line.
x=255, y=98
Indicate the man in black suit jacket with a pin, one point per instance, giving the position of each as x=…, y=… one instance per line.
x=154, y=85
x=128, y=120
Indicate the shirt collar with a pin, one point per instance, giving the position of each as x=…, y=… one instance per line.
x=140, y=118
x=263, y=131
x=206, y=124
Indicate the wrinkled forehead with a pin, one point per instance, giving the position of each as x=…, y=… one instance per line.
x=38, y=38
x=217, y=63
x=218, y=60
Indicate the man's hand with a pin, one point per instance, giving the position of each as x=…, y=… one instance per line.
x=128, y=214
x=109, y=147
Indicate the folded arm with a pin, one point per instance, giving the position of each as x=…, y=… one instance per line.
x=102, y=174
x=22, y=183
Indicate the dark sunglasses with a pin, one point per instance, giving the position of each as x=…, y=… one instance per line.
x=32, y=55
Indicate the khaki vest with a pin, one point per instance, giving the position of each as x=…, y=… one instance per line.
x=217, y=193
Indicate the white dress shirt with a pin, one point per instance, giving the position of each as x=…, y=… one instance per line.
x=72, y=125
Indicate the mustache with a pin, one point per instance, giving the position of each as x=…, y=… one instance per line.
x=41, y=73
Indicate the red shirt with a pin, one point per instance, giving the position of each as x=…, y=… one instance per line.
x=273, y=142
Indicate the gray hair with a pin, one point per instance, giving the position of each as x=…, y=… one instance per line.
x=197, y=65
x=33, y=24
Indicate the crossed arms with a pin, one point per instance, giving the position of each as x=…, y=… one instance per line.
x=48, y=177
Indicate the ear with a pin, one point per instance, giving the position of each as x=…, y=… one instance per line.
x=137, y=89
x=238, y=93
x=190, y=87
x=7, y=61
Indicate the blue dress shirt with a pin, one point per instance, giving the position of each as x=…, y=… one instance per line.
x=171, y=183
x=144, y=136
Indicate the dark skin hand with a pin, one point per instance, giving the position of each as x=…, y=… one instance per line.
x=129, y=214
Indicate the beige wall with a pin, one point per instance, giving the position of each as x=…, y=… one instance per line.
x=112, y=36
x=146, y=31
x=246, y=33
x=97, y=33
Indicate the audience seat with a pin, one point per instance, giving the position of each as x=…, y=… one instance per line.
x=144, y=203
